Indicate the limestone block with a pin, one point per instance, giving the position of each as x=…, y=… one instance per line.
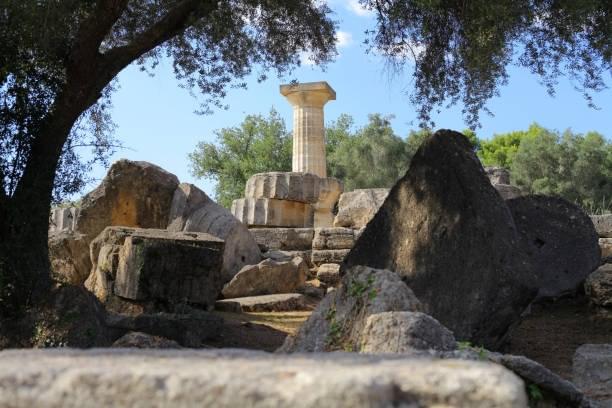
x=246, y=378
x=322, y=256
x=507, y=191
x=283, y=238
x=267, y=278
x=284, y=302
x=329, y=273
x=69, y=256
x=356, y=208
x=605, y=245
x=598, y=286
x=172, y=267
x=302, y=187
x=270, y=212
x=497, y=175
x=333, y=238
x=192, y=210
x=135, y=269
x=329, y=193
x=592, y=372
x=603, y=225
x=132, y=194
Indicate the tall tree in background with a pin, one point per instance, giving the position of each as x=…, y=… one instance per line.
x=57, y=63
x=459, y=51
x=257, y=145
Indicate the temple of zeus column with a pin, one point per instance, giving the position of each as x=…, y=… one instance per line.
x=308, y=100
x=304, y=197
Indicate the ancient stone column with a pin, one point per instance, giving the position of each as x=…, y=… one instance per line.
x=308, y=100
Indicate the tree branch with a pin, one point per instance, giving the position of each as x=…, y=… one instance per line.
x=173, y=23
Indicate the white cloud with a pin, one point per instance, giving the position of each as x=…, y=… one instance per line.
x=357, y=8
x=343, y=39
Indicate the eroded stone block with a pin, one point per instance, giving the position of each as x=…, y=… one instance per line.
x=270, y=212
x=302, y=187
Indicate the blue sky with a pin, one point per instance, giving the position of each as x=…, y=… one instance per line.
x=156, y=120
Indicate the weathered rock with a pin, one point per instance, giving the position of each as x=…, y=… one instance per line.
x=605, y=246
x=450, y=236
x=302, y=187
x=193, y=211
x=603, y=225
x=322, y=256
x=329, y=193
x=138, y=268
x=313, y=288
x=69, y=256
x=63, y=219
x=240, y=378
x=598, y=286
x=286, y=239
x=558, y=239
x=133, y=194
x=283, y=302
x=69, y=316
x=333, y=238
x=399, y=332
x=187, y=329
x=356, y=208
x=267, y=278
x=507, y=192
x=497, y=175
x=592, y=372
x=329, y=273
x=339, y=320
x=285, y=256
x=144, y=340
x=270, y=212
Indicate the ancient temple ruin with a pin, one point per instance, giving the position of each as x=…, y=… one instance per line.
x=304, y=197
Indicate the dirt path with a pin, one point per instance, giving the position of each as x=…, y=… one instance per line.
x=553, y=331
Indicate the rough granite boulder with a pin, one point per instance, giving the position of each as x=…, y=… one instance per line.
x=193, y=211
x=137, y=269
x=356, y=208
x=400, y=332
x=603, y=225
x=339, y=320
x=133, y=194
x=445, y=230
x=69, y=256
x=559, y=241
x=267, y=278
x=598, y=286
x=592, y=372
x=240, y=378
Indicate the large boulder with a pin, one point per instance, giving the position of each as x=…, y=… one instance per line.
x=559, y=241
x=133, y=194
x=136, y=270
x=69, y=257
x=193, y=211
x=451, y=237
x=242, y=378
x=339, y=322
x=598, y=286
x=603, y=225
x=356, y=208
x=267, y=278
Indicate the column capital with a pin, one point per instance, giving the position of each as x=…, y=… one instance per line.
x=308, y=93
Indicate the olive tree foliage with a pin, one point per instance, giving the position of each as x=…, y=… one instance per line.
x=459, y=50
x=258, y=145
x=58, y=60
x=577, y=167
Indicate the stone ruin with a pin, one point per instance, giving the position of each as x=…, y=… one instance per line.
x=451, y=252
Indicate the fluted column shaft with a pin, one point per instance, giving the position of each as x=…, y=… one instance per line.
x=308, y=100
